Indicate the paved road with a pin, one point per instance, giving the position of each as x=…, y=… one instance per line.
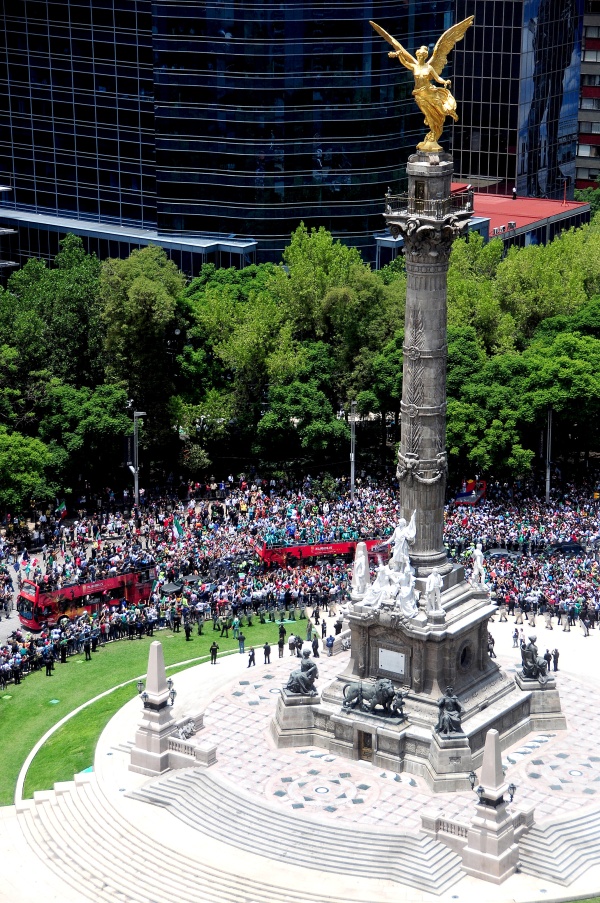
x=7, y=626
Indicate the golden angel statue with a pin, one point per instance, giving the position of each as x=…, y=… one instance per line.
x=434, y=103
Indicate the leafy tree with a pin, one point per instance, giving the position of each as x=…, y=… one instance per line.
x=585, y=321
x=24, y=464
x=494, y=422
x=589, y=196
x=84, y=428
x=392, y=271
x=300, y=417
x=465, y=358
x=139, y=298
x=315, y=263
x=52, y=314
x=564, y=373
x=471, y=298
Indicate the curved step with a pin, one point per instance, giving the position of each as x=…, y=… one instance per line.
x=563, y=851
x=94, y=850
x=212, y=807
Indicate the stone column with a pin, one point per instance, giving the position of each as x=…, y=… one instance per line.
x=429, y=219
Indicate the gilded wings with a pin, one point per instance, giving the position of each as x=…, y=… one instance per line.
x=446, y=43
x=403, y=55
x=439, y=57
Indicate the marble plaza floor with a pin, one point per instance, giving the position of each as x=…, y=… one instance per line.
x=201, y=856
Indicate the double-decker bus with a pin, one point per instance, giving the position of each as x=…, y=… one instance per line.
x=282, y=555
x=37, y=606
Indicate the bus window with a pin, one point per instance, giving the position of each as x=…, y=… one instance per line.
x=24, y=607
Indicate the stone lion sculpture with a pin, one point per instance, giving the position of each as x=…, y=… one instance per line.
x=368, y=696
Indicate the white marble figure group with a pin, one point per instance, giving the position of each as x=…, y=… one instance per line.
x=478, y=573
x=395, y=582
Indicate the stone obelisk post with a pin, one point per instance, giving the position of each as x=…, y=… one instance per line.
x=429, y=218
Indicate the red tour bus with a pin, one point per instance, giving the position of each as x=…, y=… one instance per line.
x=37, y=606
x=281, y=555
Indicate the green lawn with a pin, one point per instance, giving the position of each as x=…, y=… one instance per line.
x=40, y=701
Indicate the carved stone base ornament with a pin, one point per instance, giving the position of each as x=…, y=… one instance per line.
x=429, y=237
x=410, y=467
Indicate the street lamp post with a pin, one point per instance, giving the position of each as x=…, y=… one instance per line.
x=135, y=469
x=548, y=453
x=352, y=446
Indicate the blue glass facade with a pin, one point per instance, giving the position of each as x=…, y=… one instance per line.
x=232, y=118
x=270, y=113
x=77, y=108
x=549, y=98
x=518, y=87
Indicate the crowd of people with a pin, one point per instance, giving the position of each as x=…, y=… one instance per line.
x=207, y=548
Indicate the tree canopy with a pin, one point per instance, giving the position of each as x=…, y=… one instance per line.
x=258, y=366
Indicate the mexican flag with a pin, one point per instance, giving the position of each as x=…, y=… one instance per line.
x=61, y=510
x=177, y=529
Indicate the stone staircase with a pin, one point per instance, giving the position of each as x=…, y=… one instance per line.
x=100, y=856
x=563, y=850
x=214, y=808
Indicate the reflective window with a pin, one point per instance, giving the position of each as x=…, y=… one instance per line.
x=517, y=84
x=88, y=82
x=266, y=115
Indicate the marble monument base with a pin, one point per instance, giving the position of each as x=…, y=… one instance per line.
x=294, y=721
x=544, y=703
x=491, y=852
x=424, y=655
x=150, y=752
x=449, y=763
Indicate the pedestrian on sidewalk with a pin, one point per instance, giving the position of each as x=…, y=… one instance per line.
x=586, y=626
x=555, y=655
x=267, y=652
x=213, y=653
x=241, y=641
x=251, y=657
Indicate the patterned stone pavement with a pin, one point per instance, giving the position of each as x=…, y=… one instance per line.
x=556, y=772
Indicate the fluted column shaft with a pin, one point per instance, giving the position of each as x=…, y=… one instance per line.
x=429, y=224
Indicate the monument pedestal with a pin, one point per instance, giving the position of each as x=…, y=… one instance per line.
x=491, y=852
x=425, y=654
x=294, y=721
x=449, y=763
x=150, y=753
x=544, y=703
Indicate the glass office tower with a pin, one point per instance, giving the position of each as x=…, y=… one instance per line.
x=227, y=120
x=518, y=84
x=271, y=113
x=77, y=108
